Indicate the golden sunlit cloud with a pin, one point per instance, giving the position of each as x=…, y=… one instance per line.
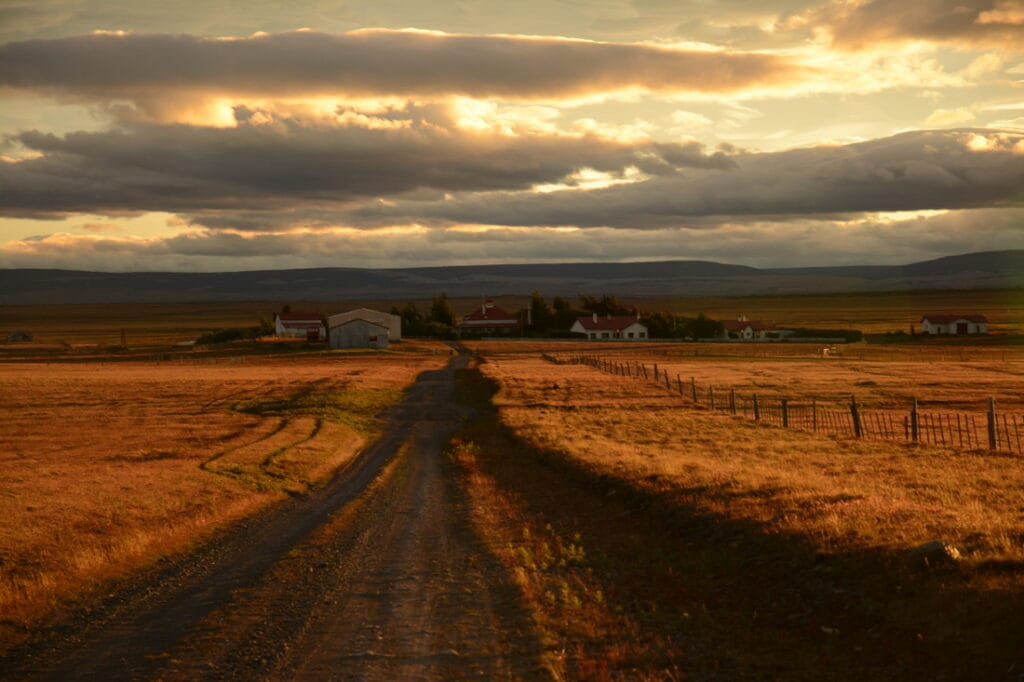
x=855, y=24
x=949, y=117
x=589, y=179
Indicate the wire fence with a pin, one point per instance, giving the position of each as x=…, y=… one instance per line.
x=989, y=430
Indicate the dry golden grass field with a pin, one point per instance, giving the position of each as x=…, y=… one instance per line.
x=105, y=466
x=649, y=538
x=860, y=506
x=960, y=378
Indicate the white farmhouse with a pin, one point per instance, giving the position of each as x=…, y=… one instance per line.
x=954, y=324
x=742, y=328
x=300, y=325
x=609, y=327
x=489, y=320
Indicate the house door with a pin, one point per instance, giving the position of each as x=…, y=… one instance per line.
x=961, y=327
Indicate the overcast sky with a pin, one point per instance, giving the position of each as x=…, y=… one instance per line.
x=211, y=135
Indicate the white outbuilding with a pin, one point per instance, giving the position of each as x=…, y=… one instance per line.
x=358, y=333
x=393, y=323
x=955, y=325
x=301, y=325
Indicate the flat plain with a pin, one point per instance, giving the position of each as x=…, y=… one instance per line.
x=645, y=537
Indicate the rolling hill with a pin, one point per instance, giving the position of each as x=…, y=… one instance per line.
x=985, y=270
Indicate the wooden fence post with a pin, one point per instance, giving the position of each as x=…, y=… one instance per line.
x=693, y=388
x=679, y=382
x=992, y=444
x=855, y=414
x=814, y=416
x=915, y=428
x=785, y=413
x=668, y=381
x=757, y=412
x=732, y=400
x=655, y=371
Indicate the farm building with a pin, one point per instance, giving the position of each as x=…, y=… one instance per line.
x=393, y=323
x=610, y=327
x=489, y=320
x=301, y=325
x=742, y=328
x=954, y=324
x=358, y=333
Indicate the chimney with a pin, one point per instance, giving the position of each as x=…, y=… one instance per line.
x=595, y=318
x=741, y=318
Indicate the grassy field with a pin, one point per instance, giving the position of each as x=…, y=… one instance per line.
x=106, y=466
x=652, y=540
x=839, y=511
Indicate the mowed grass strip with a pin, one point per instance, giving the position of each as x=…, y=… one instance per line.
x=102, y=464
x=790, y=551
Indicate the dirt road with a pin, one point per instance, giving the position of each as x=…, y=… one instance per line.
x=376, y=576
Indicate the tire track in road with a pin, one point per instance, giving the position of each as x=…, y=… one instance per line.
x=397, y=586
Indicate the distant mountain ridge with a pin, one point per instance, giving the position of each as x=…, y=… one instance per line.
x=983, y=270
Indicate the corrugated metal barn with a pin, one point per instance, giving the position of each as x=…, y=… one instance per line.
x=358, y=333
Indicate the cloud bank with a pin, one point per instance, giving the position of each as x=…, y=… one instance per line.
x=282, y=161
x=374, y=63
x=988, y=23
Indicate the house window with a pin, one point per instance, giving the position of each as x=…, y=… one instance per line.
x=629, y=335
x=604, y=335
x=642, y=335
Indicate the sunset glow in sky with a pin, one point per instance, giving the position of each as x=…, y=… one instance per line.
x=233, y=136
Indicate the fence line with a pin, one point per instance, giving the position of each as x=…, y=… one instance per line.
x=993, y=431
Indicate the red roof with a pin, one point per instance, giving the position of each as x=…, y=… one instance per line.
x=948, y=319
x=299, y=317
x=740, y=325
x=489, y=315
x=608, y=323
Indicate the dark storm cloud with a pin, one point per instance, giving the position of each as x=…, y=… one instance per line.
x=279, y=165
x=921, y=170
x=985, y=22
x=373, y=62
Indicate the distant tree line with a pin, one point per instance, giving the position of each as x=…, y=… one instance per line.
x=438, y=321
x=554, y=319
